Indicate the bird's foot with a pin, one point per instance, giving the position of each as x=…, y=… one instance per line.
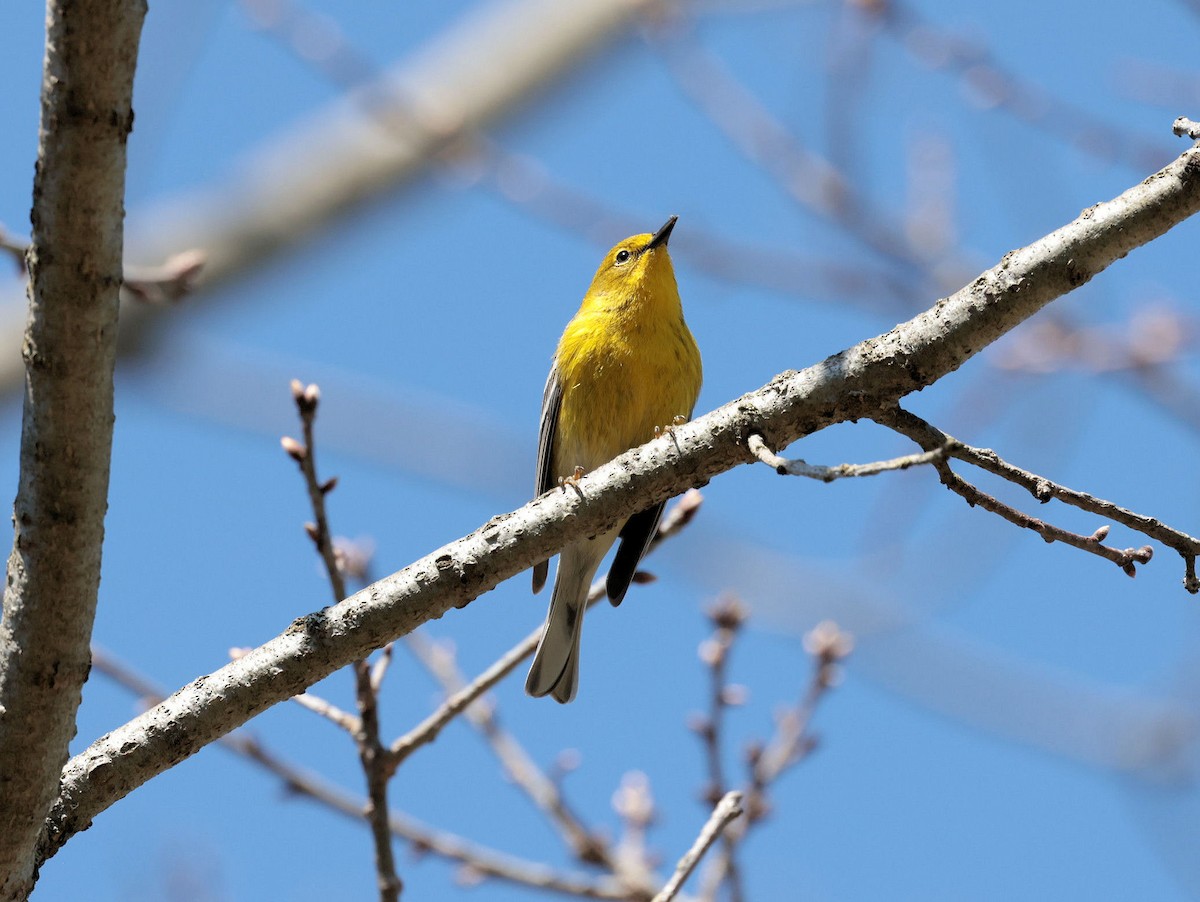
x=572, y=481
x=669, y=429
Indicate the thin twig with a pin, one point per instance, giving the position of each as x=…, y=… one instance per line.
x=172, y=280
x=727, y=616
x=14, y=248
x=796, y=467
x=428, y=729
x=307, y=399
x=165, y=284
x=729, y=808
x=791, y=743
x=927, y=435
x=634, y=804
x=382, y=663
x=587, y=846
x=477, y=860
x=329, y=711
x=828, y=645
x=371, y=752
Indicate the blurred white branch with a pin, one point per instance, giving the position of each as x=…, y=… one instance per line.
x=363, y=145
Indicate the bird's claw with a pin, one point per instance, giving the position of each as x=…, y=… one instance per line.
x=572, y=480
x=669, y=429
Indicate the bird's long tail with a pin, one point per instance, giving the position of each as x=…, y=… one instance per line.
x=555, y=669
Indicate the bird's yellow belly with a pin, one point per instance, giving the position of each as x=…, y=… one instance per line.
x=613, y=401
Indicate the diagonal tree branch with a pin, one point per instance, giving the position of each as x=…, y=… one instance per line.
x=858, y=382
x=66, y=435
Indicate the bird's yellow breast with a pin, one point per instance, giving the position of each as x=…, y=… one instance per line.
x=626, y=366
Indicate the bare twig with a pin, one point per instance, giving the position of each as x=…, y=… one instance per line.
x=788, y=467
x=587, y=846
x=382, y=663
x=729, y=808
x=477, y=860
x=828, y=645
x=727, y=617
x=329, y=711
x=13, y=247
x=791, y=743
x=307, y=399
x=371, y=755
x=167, y=283
x=371, y=752
x=926, y=435
x=428, y=729
x=163, y=284
x=634, y=804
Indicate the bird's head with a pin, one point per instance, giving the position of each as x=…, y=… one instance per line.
x=638, y=266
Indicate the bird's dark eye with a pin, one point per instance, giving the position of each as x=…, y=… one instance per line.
x=623, y=256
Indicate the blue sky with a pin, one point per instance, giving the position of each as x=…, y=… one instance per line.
x=1018, y=720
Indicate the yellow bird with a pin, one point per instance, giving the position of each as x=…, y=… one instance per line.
x=626, y=365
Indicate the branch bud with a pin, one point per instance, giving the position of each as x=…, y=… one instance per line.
x=294, y=449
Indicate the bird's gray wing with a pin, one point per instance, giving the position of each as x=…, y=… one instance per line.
x=551, y=403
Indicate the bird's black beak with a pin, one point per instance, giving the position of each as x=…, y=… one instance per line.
x=662, y=235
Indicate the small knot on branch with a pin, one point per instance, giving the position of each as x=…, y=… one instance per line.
x=1130, y=557
x=1186, y=128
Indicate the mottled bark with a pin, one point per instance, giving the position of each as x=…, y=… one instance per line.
x=66, y=438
